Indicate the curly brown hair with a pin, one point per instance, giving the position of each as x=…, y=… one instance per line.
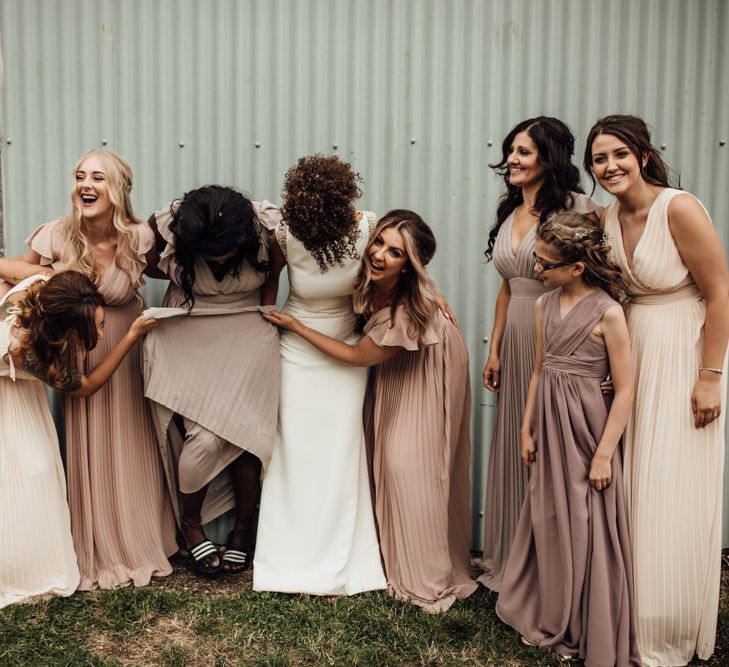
x=318, y=204
x=49, y=314
x=577, y=238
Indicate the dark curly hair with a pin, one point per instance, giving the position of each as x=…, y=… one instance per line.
x=209, y=222
x=634, y=132
x=555, y=147
x=318, y=204
x=49, y=313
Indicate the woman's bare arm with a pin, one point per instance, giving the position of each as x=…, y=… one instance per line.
x=365, y=353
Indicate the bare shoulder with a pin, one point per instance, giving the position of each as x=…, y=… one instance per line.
x=685, y=209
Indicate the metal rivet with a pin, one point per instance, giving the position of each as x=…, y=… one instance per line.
x=412, y=140
x=489, y=143
x=104, y=142
x=335, y=146
x=257, y=144
x=663, y=147
x=480, y=514
x=8, y=141
x=486, y=340
x=182, y=144
x=722, y=142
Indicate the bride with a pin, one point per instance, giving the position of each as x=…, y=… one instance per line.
x=316, y=531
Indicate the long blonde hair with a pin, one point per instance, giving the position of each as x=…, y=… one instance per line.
x=415, y=290
x=77, y=251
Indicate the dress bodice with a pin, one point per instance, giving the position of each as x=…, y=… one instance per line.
x=331, y=288
x=657, y=267
x=239, y=289
x=520, y=265
x=115, y=284
x=569, y=346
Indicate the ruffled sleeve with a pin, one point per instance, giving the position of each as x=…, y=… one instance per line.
x=163, y=218
x=145, y=241
x=47, y=241
x=586, y=205
x=388, y=333
x=269, y=215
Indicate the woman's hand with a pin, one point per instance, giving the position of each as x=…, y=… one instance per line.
x=606, y=386
x=706, y=399
x=446, y=309
x=141, y=326
x=528, y=449
x=282, y=320
x=492, y=373
x=600, y=472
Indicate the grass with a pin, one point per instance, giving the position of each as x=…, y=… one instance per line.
x=182, y=620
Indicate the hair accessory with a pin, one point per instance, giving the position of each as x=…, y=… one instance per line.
x=604, y=240
x=578, y=236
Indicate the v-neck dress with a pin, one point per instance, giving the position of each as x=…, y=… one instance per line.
x=507, y=477
x=567, y=585
x=673, y=471
x=121, y=518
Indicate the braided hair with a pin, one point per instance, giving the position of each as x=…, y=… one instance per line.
x=576, y=238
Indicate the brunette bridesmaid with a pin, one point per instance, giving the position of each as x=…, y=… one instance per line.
x=678, y=320
x=540, y=180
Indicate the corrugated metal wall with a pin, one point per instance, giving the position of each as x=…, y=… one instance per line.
x=416, y=93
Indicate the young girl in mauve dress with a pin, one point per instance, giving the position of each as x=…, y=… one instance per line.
x=418, y=413
x=567, y=585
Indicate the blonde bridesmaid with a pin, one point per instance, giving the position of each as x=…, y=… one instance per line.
x=121, y=517
x=678, y=320
x=419, y=408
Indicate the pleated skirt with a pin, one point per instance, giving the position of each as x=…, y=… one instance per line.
x=121, y=517
x=36, y=549
x=508, y=478
x=673, y=479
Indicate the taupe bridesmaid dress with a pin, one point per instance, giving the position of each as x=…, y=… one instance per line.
x=567, y=584
x=507, y=479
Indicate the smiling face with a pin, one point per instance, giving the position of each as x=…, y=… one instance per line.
x=524, y=169
x=386, y=258
x=91, y=193
x=552, y=270
x=615, y=166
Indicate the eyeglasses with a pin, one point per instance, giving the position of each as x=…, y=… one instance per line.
x=545, y=266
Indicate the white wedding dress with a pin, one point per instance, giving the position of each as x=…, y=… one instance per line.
x=316, y=530
x=36, y=548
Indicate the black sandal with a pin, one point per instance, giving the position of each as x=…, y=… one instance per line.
x=199, y=553
x=237, y=560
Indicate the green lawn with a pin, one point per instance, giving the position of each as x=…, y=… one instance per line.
x=182, y=620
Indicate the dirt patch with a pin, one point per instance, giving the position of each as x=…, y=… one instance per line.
x=184, y=580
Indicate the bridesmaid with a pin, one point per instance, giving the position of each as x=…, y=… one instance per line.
x=419, y=401
x=678, y=321
x=213, y=377
x=42, y=327
x=121, y=518
x=567, y=585
x=540, y=180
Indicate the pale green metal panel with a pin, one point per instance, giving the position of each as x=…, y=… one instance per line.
x=416, y=93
